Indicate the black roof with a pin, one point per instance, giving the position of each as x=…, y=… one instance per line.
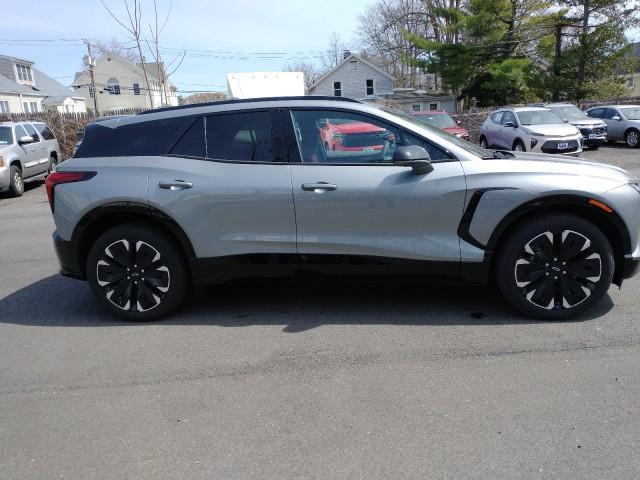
x=250, y=100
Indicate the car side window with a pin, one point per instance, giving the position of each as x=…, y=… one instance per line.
x=32, y=132
x=245, y=136
x=497, y=117
x=326, y=136
x=45, y=131
x=436, y=153
x=192, y=143
x=610, y=113
x=596, y=113
x=509, y=117
x=20, y=132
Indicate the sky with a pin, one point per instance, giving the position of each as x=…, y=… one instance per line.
x=220, y=36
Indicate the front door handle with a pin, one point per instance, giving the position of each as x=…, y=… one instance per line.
x=175, y=185
x=319, y=187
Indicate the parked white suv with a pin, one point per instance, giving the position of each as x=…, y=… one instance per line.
x=534, y=129
x=28, y=151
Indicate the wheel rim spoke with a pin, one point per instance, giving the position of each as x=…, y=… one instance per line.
x=132, y=275
x=558, y=269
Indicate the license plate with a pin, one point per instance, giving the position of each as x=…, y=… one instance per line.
x=563, y=146
x=592, y=136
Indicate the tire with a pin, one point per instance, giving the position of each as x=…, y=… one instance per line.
x=16, y=183
x=532, y=277
x=518, y=146
x=483, y=143
x=112, y=272
x=632, y=138
x=53, y=163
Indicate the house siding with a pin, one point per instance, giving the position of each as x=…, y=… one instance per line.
x=354, y=83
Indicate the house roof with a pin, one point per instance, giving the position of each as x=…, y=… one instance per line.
x=345, y=60
x=44, y=85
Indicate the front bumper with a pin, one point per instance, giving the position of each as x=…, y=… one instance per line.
x=5, y=178
x=68, y=257
x=551, y=145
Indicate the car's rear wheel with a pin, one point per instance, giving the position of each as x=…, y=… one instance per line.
x=632, y=138
x=483, y=142
x=137, y=272
x=16, y=183
x=518, y=146
x=554, y=267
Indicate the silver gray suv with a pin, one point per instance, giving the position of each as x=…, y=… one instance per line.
x=623, y=122
x=159, y=202
x=28, y=151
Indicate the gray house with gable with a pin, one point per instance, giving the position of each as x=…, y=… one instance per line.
x=354, y=77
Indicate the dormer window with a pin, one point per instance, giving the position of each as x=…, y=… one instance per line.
x=24, y=73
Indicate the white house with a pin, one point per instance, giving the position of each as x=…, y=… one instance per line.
x=354, y=77
x=25, y=89
x=120, y=84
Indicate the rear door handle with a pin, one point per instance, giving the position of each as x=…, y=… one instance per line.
x=319, y=187
x=175, y=185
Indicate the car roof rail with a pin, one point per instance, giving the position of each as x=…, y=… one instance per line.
x=250, y=100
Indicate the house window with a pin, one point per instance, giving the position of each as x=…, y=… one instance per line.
x=113, y=86
x=136, y=88
x=416, y=107
x=30, y=107
x=4, y=106
x=433, y=106
x=337, y=89
x=91, y=91
x=24, y=73
x=369, y=87
x=353, y=64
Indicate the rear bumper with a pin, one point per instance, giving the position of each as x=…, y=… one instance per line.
x=68, y=258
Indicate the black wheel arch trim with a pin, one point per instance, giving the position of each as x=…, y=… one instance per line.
x=153, y=214
x=551, y=201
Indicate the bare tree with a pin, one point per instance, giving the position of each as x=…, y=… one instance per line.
x=164, y=71
x=113, y=46
x=333, y=56
x=133, y=26
x=309, y=70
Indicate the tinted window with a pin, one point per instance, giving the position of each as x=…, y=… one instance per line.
x=596, y=113
x=497, y=117
x=342, y=137
x=144, y=138
x=5, y=136
x=245, y=136
x=610, y=113
x=44, y=131
x=31, y=132
x=192, y=142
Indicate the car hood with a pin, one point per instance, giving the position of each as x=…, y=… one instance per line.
x=553, y=130
x=456, y=131
x=560, y=164
x=587, y=122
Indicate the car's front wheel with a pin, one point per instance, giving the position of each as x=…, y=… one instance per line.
x=16, y=184
x=518, y=146
x=137, y=272
x=554, y=266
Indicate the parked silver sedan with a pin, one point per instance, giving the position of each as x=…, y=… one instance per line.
x=534, y=129
x=623, y=122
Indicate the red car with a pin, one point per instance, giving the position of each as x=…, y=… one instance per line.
x=443, y=121
x=350, y=136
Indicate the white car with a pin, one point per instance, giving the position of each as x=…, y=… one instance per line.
x=530, y=129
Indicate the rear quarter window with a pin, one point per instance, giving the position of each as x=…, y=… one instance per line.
x=45, y=131
x=154, y=137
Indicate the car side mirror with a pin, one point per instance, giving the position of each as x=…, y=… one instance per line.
x=25, y=139
x=322, y=124
x=616, y=117
x=510, y=124
x=415, y=157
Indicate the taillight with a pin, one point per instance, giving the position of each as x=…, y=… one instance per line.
x=56, y=178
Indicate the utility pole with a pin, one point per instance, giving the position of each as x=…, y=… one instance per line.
x=90, y=62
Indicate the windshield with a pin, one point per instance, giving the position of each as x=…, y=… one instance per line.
x=5, y=136
x=441, y=120
x=464, y=144
x=631, y=113
x=568, y=112
x=538, y=117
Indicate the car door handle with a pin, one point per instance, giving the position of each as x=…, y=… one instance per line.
x=175, y=185
x=319, y=187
